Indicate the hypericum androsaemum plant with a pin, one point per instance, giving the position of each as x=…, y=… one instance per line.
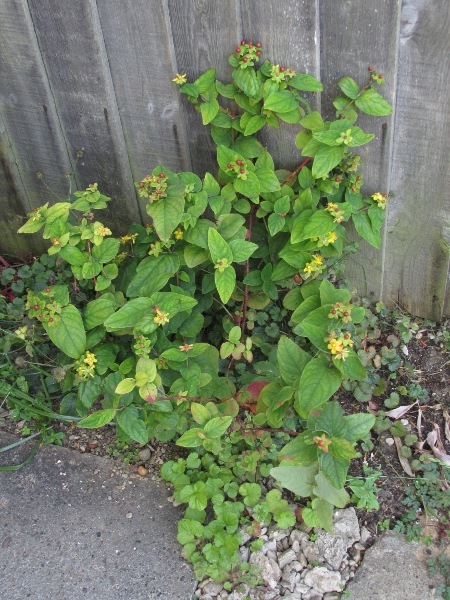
x=215, y=324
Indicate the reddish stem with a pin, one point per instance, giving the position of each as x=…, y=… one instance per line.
x=296, y=170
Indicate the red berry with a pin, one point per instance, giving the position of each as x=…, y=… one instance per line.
x=40, y=316
x=336, y=210
x=380, y=76
x=384, y=195
x=245, y=59
x=258, y=53
x=320, y=443
x=239, y=161
x=36, y=307
x=258, y=44
x=346, y=314
x=47, y=290
x=229, y=166
x=250, y=44
x=238, y=48
x=50, y=320
x=162, y=175
x=358, y=178
x=282, y=69
x=333, y=312
x=370, y=68
x=330, y=335
x=346, y=336
x=291, y=71
x=243, y=42
x=242, y=171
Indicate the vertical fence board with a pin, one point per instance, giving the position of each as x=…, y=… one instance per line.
x=72, y=46
x=141, y=59
x=204, y=34
x=355, y=35
x=418, y=242
x=32, y=128
x=288, y=32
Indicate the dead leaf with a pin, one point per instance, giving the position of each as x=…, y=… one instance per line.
x=398, y=412
x=435, y=443
x=6, y=542
x=447, y=424
x=419, y=423
x=403, y=461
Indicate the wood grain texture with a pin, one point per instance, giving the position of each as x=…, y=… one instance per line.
x=289, y=34
x=141, y=58
x=353, y=36
x=71, y=42
x=418, y=238
x=32, y=130
x=205, y=33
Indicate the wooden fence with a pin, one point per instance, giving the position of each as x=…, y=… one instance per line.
x=96, y=75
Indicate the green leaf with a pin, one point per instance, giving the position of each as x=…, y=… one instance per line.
x=364, y=227
x=305, y=83
x=194, y=256
x=31, y=226
x=341, y=448
x=320, y=223
x=330, y=420
x=167, y=212
x=324, y=489
x=126, y=386
x=326, y=158
x=256, y=123
x=195, y=495
x=188, y=530
x=130, y=314
x=299, y=479
x=268, y=181
x=324, y=513
x=275, y=223
x=291, y=360
x=229, y=224
x=242, y=250
x=217, y=427
x=349, y=87
x=334, y=469
x=251, y=493
x=225, y=283
x=209, y=110
x=68, y=334
x=330, y=295
x=357, y=426
x=98, y=419
x=247, y=81
x=353, y=368
x=248, y=147
x=281, y=102
x=373, y=103
x=148, y=367
x=250, y=187
x=72, y=255
x=97, y=311
x=330, y=138
x=177, y=355
x=305, y=308
x=106, y=251
x=191, y=438
x=317, y=383
x=128, y=419
x=218, y=247
x=200, y=413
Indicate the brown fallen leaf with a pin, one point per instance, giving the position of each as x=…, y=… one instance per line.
x=6, y=542
x=398, y=412
x=447, y=423
x=403, y=461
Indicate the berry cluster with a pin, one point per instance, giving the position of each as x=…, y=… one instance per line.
x=380, y=199
x=153, y=187
x=316, y=266
x=85, y=366
x=326, y=240
x=336, y=212
x=239, y=167
x=160, y=317
x=377, y=77
x=339, y=345
x=279, y=74
x=45, y=309
x=143, y=346
x=248, y=53
x=341, y=311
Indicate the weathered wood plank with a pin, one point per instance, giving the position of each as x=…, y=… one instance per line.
x=142, y=62
x=288, y=32
x=204, y=34
x=418, y=239
x=72, y=47
x=32, y=131
x=355, y=35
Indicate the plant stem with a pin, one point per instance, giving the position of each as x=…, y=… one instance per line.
x=296, y=170
x=247, y=271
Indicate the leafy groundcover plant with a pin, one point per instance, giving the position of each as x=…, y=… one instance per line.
x=217, y=325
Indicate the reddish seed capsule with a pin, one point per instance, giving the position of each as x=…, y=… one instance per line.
x=250, y=44
x=50, y=320
x=40, y=316
x=358, y=178
x=242, y=171
x=229, y=166
x=370, y=68
x=47, y=290
x=384, y=195
x=380, y=76
x=346, y=336
x=277, y=74
x=243, y=42
x=346, y=314
x=291, y=71
x=36, y=306
x=282, y=69
x=258, y=44
x=258, y=53
x=336, y=210
x=238, y=48
x=245, y=59
x=162, y=175
x=320, y=443
x=333, y=312
x=330, y=335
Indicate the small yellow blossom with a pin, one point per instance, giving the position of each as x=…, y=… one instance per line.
x=179, y=79
x=335, y=346
x=102, y=231
x=161, y=317
x=186, y=347
x=90, y=359
x=178, y=233
x=379, y=199
x=331, y=207
x=56, y=241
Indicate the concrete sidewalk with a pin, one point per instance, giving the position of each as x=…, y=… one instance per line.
x=69, y=531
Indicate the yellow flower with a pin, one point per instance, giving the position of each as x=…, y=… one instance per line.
x=335, y=346
x=56, y=241
x=318, y=259
x=90, y=359
x=102, y=231
x=125, y=239
x=330, y=238
x=380, y=199
x=331, y=207
x=179, y=79
x=178, y=233
x=377, y=197
x=161, y=317
x=186, y=347
x=309, y=268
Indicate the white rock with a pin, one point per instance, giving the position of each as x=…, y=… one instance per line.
x=366, y=535
x=239, y=592
x=310, y=551
x=302, y=588
x=277, y=534
x=298, y=536
x=267, y=571
x=389, y=441
x=144, y=454
x=244, y=554
x=332, y=548
x=312, y=595
x=323, y=580
x=213, y=588
x=292, y=596
x=345, y=526
x=270, y=545
x=289, y=578
x=286, y=557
